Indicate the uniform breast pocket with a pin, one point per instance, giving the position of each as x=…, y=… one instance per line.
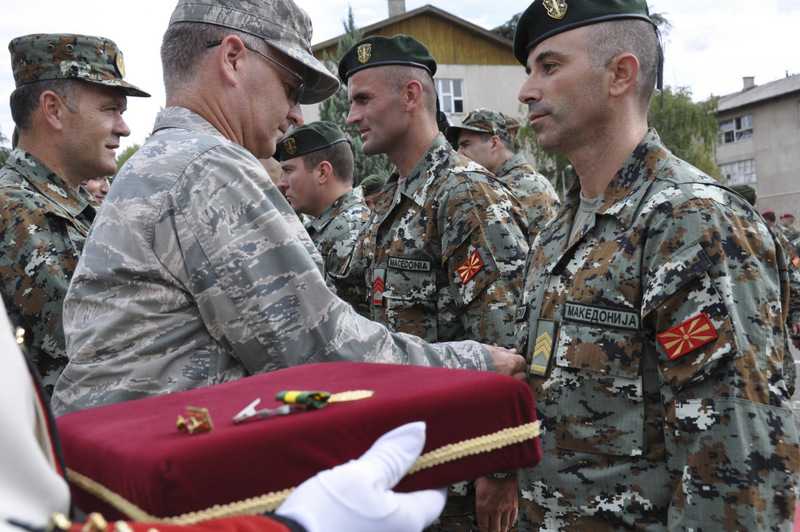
x=598, y=390
x=410, y=302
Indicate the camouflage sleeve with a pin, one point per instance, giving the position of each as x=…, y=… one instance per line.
x=484, y=249
x=258, y=287
x=37, y=259
x=731, y=443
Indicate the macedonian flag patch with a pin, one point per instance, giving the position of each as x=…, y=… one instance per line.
x=472, y=266
x=687, y=336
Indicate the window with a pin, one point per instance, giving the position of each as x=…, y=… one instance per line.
x=736, y=129
x=451, y=95
x=740, y=172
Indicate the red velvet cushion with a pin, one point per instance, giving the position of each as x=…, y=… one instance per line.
x=134, y=449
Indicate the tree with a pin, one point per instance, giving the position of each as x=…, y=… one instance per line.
x=4, y=151
x=688, y=129
x=508, y=29
x=336, y=108
x=126, y=154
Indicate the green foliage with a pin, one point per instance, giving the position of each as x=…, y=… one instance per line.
x=4, y=151
x=126, y=154
x=688, y=129
x=507, y=30
x=337, y=107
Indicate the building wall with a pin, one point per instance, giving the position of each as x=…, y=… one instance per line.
x=775, y=146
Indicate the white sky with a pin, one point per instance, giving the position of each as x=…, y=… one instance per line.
x=711, y=46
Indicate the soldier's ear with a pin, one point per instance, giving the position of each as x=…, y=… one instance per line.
x=52, y=109
x=412, y=95
x=324, y=172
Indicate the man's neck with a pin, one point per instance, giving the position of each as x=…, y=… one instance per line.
x=410, y=151
x=597, y=164
x=47, y=154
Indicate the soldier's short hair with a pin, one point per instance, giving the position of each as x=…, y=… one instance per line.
x=397, y=76
x=185, y=43
x=339, y=155
x=25, y=98
x=609, y=39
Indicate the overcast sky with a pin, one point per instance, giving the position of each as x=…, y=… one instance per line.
x=711, y=46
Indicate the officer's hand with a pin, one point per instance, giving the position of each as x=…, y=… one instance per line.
x=496, y=503
x=357, y=496
x=507, y=361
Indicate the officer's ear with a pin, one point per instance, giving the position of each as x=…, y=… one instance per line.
x=52, y=109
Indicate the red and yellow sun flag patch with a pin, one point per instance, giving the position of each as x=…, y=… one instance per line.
x=687, y=336
x=472, y=266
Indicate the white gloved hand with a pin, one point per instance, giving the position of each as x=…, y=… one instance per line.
x=358, y=497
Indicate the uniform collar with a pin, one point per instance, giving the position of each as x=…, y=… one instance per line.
x=629, y=185
x=422, y=176
x=343, y=202
x=48, y=183
x=515, y=161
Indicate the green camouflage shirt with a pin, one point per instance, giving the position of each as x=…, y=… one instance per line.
x=692, y=429
x=43, y=226
x=532, y=189
x=335, y=232
x=199, y=272
x=443, y=253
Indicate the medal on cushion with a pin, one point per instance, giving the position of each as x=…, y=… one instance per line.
x=296, y=401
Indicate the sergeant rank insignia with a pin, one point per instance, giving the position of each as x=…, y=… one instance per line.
x=364, y=52
x=472, y=266
x=377, y=290
x=687, y=336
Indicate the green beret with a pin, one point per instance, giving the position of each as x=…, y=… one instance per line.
x=486, y=121
x=307, y=138
x=281, y=23
x=44, y=56
x=745, y=191
x=380, y=51
x=373, y=183
x=545, y=18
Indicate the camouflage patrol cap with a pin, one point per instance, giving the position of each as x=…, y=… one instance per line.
x=281, y=23
x=378, y=50
x=44, y=56
x=545, y=18
x=486, y=121
x=307, y=138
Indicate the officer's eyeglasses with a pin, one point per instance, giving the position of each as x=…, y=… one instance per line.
x=301, y=89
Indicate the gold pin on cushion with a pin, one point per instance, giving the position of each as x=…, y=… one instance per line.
x=197, y=421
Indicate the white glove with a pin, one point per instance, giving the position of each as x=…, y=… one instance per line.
x=358, y=497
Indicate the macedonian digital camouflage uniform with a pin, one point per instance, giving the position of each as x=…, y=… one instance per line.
x=335, y=232
x=43, y=225
x=655, y=346
x=532, y=189
x=443, y=253
x=214, y=279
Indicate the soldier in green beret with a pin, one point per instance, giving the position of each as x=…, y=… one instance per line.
x=443, y=254
x=372, y=185
x=317, y=180
x=489, y=138
x=67, y=107
x=654, y=305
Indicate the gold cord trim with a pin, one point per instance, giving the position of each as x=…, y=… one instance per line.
x=271, y=501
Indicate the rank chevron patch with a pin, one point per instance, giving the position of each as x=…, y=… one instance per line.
x=687, y=336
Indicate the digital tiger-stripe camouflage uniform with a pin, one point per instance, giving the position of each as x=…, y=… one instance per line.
x=703, y=439
x=652, y=317
x=45, y=217
x=216, y=279
x=335, y=232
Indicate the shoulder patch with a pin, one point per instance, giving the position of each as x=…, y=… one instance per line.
x=687, y=336
x=470, y=267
